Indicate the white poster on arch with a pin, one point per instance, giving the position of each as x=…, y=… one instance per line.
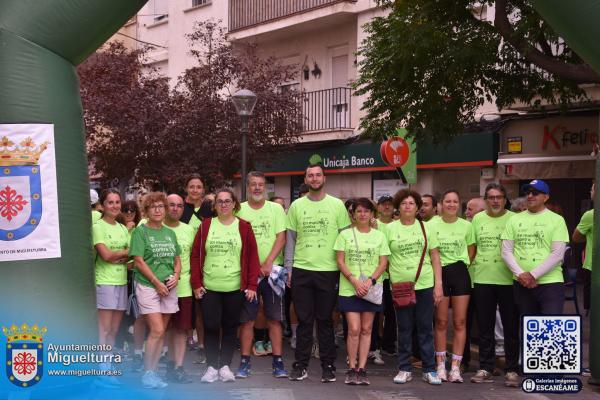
x=29, y=227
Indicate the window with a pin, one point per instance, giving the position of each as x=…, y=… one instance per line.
x=196, y=3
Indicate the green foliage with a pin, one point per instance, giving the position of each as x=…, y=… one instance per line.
x=428, y=65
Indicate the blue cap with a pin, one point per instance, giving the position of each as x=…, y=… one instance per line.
x=537, y=184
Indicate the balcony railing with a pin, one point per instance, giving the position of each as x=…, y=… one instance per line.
x=247, y=13
x=326, y=110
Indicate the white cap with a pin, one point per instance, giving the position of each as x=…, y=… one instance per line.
x=93, y=197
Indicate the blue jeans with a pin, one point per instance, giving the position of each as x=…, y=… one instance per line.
x=420, y=317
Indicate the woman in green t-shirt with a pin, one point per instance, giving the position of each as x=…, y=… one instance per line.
x=457, y=249
x=156, y=255
x=111, y=241
x=410, y=240
x=361, y=251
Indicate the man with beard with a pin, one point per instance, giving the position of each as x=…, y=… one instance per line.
x=268, y=224
x=313, y=224
x=493, y=288
x=181, y=322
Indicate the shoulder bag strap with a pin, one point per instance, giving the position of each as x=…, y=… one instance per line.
x=424, y=250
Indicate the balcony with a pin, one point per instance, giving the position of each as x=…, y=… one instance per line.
x=326, y=110
x=248, y=13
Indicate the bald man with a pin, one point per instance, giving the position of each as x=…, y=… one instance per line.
x=474, y=206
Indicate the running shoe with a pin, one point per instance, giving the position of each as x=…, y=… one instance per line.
x=454, y=376
x=511, y=379
x=244, y=370
x=328, y=374
x=279, y=370
x=403, y=377
x=441, y=371
x=178, y=375
x=351, y=377
x=200, y=356
x=375, y=357
x=211, y=375
x=298, y=373
x=362, y=378
x=482, y=376
x=259, y=349
x=432, y=378
x=268, y=348
x=225, y=374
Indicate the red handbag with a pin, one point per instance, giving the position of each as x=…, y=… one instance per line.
x=403, y=293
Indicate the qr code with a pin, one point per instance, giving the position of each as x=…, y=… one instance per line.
x=552, y=344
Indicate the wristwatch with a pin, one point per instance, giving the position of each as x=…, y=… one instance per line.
x=373, y=281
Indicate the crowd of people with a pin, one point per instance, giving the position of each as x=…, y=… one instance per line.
x=209, y=271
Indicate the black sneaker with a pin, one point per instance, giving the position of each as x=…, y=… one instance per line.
x=362, y=378
x=178, y=375
x=298, y=373
x=328, y=374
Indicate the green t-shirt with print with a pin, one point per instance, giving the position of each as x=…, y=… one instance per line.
x=267, y=222
x=406, y=245
x=489, y=268
x=115, y=237
x=96, y=216
x=586, y=227
x=185, y=239
x=453, y=239
x=158, y=247
x=317, y=225
x=222, y=265
x=381, y=227
x=365, y=256
x=533, y=235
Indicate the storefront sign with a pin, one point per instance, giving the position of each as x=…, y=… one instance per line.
x=400, y=152
x=562, y=138
x=515, y=145
x=28, y=196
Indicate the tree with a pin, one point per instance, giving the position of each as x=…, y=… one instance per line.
x=140, y=128
x=126, y=108
x=428, y=65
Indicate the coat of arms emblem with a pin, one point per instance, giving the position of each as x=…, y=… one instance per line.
x=24, y=354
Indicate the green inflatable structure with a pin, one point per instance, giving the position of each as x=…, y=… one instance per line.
x=577, y=22
x=41, y=42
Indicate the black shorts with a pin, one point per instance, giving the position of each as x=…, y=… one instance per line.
x=272, y=304
x=456, y=280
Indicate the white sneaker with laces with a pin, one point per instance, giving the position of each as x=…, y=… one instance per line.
x=442, y=373
x=226, y=375
x=375, y=356
x=455, y=376
x=211, y=375
x=150, y=380
x=160, y=383
x=403, y=377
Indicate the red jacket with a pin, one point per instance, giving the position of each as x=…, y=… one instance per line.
x=249, y=261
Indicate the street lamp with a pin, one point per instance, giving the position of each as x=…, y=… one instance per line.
x=244, y=101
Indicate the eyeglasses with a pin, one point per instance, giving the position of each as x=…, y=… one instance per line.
x=129, y=211
x=226, y=202
x=175, y=205
x=158, y=207
x=495, y=198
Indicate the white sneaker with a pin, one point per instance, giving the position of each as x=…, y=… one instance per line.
x=442, y=373
x=455, y=376
x=225, y=374
x=403, y=377
x=150, y=380
x=211, y=375
x=375, y=356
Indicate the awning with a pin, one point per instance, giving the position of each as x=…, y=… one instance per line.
x=467, y=150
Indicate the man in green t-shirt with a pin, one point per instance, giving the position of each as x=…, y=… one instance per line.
x=584, y=232
x=268, y=224
x=533, y=247
x=182, y=320
x=313, y=224
x=493, y=288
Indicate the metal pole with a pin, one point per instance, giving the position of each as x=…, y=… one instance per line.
x=595, y=289
x=244, y=161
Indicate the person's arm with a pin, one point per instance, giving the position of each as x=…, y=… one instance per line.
x=438, y=291
x=267, y=265
x=555, y=257
x=578, y=237
x=145, y=270
x=525, y=278
x=472, y=250
x=171, y=283
x=114, y=257
x=290, y=248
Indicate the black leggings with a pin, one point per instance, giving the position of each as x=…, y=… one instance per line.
x=221, y=312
